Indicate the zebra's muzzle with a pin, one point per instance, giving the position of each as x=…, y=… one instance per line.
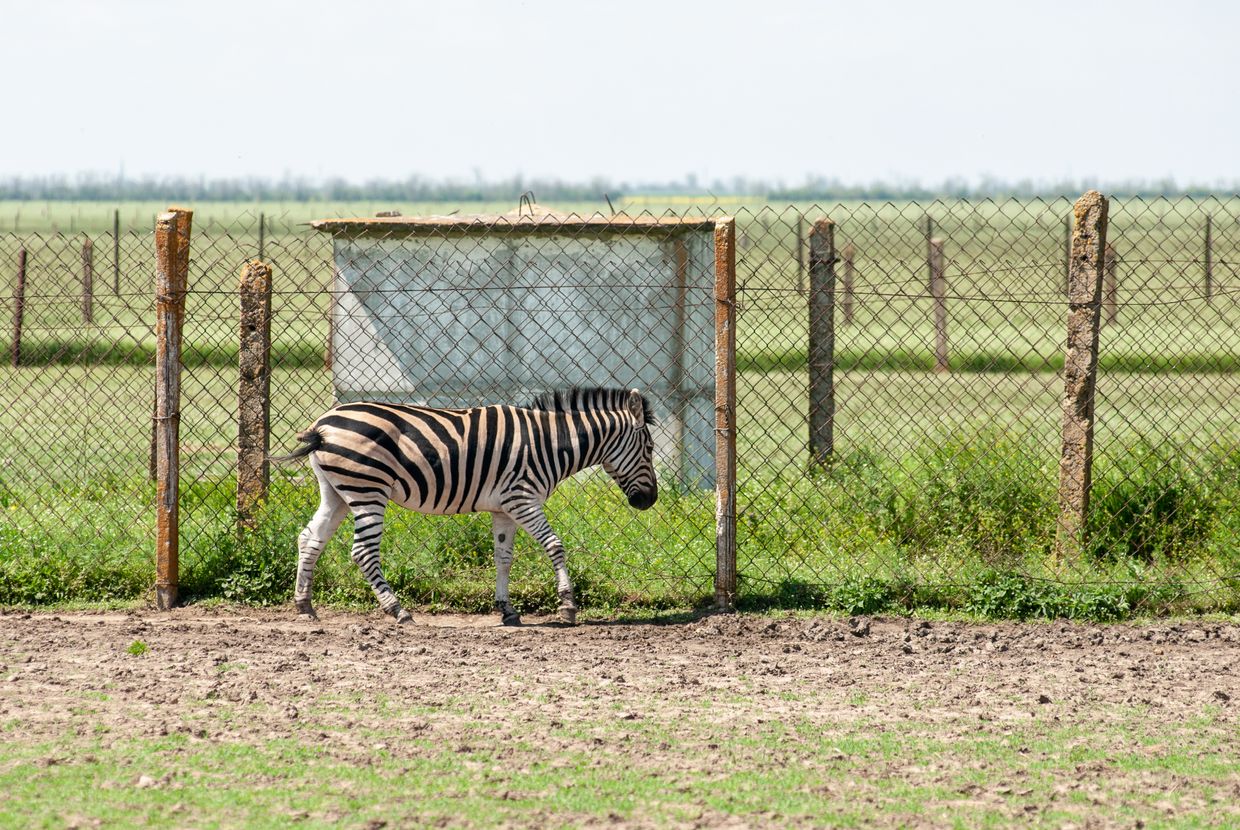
x=643, y=501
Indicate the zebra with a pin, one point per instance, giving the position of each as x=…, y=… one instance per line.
x=505, y=460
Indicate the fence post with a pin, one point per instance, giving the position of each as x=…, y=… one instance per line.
x=1209, y=263
x=848, y=253
x=1111, y=286
x=938, y=290
x=262, y=236
x=1067, y=255
x=254, y=390
x=725, y=413
x=1080, y=370
x=88, y=281
x=799, y=252
x=19, y=308
x=172, y=230
x=822, y=342
x=329, y=353
x=929, y=253
x=116, y=251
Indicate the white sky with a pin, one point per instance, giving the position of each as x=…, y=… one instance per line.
x=638, y=91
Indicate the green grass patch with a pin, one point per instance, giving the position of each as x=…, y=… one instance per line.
x=968, y=526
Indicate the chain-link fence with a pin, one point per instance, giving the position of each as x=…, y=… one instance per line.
x=948, y=386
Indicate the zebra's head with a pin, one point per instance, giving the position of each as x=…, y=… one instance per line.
x=630, y=456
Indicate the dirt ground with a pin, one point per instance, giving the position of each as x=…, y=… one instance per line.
x=893, y=722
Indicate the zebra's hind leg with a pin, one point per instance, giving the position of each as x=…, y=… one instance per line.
x=503, y=529
x=534, y=521
x=312, y=540
x=367, y=532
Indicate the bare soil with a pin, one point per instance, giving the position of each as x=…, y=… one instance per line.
x=699, y=685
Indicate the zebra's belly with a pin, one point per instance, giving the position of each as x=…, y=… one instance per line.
x=445, y=506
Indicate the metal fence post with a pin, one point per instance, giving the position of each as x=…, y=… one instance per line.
x=1209, y=263
x=19, y=308
x=725, y=413
x=846, y=300
x=262, y=236
x=938, y=290
x=800, y=243
x=172, y=231
x=88, y=281
x=822, y=342
x=1067, y=254
x=116, y=251
x=254, y=390
x=1089, y=239
x=1111, y=287
x=929, y=253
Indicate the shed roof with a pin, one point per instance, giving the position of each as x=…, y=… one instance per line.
x=537, y=220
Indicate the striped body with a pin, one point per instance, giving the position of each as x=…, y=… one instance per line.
x=505, y=460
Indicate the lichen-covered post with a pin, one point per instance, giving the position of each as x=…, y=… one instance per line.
x=19, y=308
x=725, y=413
x=254, y=390
x=1111, y=288
x=172, y=231
x=88, y=281
x=846, y=301
x=938, y=290
x=1080, y=369
x=822, y=342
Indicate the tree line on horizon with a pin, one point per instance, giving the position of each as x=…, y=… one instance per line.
x=91, y=187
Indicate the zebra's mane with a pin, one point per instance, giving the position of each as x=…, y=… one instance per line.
x=577, y=398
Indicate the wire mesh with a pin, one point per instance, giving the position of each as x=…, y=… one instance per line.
x=940, y=479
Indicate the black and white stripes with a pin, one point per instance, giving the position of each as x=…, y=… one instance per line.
x=505, y=460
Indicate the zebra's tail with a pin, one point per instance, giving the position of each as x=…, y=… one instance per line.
x=312, y=441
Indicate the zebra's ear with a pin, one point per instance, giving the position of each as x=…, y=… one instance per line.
x=635, y=406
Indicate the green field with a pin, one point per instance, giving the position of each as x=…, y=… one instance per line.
x=944, y=485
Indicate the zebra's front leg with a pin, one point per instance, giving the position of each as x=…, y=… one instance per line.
x=367, y=533
x=503, y=531
x=534, y=521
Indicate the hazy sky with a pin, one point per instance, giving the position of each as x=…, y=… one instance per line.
x=629, y=90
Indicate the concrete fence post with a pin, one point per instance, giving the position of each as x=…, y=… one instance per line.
x=172, y=232
x=1111, y=286
x=725, y=413
x=938, y=290
x=821, y=342
x=88, y=281
x=254, y=391
x=1089, y=242
x=846, y=301
x=19, y=308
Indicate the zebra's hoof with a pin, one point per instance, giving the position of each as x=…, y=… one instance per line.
x=510, y=618
x=568, y=614
x=403, y=617
x=305, y=611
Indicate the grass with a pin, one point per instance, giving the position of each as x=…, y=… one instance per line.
x=849, y=772
x=961, y=526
